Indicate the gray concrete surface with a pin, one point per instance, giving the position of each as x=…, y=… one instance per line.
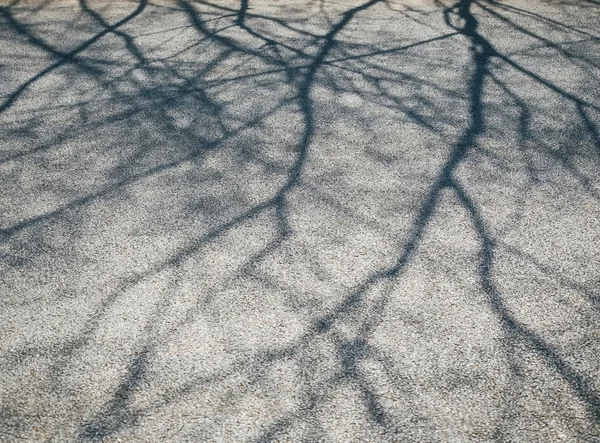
x=300, y=221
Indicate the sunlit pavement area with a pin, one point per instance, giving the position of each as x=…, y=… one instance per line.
x=300, y=221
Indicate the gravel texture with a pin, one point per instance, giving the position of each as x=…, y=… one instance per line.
x=300, y=221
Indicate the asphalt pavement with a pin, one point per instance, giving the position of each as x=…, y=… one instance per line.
x=300, y=221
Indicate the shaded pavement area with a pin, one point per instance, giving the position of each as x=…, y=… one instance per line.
x=300, y=221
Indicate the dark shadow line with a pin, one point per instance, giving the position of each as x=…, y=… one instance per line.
x=117, y=414
x=533, y=14
x=545, y=41
x=69, y=57
x=580, y=384
x=129, y=43
x=82, y=201
x=392, y=50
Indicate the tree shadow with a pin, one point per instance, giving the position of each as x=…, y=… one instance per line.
x=217, y=129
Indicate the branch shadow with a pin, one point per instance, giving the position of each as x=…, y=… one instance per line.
x=186, y=116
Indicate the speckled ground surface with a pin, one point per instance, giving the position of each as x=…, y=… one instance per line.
x=300, y=221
